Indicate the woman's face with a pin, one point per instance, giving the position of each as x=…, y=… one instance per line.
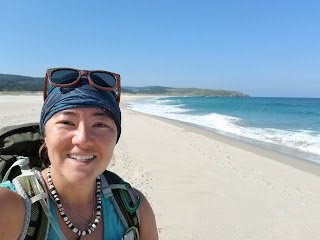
x=80, y=143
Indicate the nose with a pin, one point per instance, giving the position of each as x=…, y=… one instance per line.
x=82, y=137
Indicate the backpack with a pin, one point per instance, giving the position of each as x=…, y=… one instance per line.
x=19, y=163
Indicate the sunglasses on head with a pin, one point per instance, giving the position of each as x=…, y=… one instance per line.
x=67, y=77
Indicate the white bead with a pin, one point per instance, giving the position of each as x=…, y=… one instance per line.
x=63, y=214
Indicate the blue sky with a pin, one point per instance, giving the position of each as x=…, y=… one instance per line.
x=261, y=48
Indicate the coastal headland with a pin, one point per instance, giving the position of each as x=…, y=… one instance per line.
x=13, y=83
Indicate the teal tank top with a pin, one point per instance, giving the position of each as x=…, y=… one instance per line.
x=113, y=227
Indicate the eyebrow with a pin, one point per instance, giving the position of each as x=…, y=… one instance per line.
x=99, y=114
x=66, y=112
x=71, y=113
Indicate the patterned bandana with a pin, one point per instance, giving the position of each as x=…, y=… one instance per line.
x=80, y=95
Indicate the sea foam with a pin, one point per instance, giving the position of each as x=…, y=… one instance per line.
x=299, y=139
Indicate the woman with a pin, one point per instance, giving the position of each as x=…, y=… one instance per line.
x=81, y=124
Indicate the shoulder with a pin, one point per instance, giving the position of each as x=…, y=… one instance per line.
x=148, y=226
x=12, y=214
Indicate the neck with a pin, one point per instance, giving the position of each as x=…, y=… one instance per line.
x=89, y=226
x=79, y=196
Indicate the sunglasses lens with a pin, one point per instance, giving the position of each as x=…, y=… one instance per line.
x=104, y=80
x=68, y=77
x=64, y=76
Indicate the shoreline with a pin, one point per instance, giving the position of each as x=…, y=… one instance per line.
x=310, y=162
x=202, y=185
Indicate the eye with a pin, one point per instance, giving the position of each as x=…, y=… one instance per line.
x=66, y=123
x=101, y=125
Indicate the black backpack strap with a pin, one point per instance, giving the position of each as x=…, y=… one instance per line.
x=124, y=198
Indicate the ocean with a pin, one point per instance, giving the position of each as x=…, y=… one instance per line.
x=287, y=125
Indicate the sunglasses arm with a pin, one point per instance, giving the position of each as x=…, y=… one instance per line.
x=45, y=87
x=119, y=89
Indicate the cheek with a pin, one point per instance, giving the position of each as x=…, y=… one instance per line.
x=108, y=144
x=51, y=146
x=55, y=142
x=109, y=138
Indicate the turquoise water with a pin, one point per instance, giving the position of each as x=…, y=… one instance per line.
x=290, y=123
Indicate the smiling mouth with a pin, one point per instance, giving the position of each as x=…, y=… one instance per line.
x=81, y=158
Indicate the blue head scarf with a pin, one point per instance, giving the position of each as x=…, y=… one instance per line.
x=80, y=95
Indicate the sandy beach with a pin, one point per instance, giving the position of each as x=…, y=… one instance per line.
x=202, y=185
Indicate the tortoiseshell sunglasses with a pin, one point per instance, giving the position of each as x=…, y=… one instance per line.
x=67, y=77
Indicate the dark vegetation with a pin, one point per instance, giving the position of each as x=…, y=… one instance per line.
x=13, y=83
x=188, y=92
x=16, y=83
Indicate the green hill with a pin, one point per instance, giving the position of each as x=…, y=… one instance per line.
x=10, y=83
x=14, y=83
x=187, y=92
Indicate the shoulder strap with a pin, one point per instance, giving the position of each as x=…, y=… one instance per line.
x=29, y=186
x=125, y=200
x=36, y=221
x=19, y=140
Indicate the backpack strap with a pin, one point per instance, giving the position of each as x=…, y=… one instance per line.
x=22, y=162
x=19, y=140
x=36, y=221
x=38, y=217
x=125, y=200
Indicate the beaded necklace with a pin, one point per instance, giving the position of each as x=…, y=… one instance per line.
x=66, y=219
x=76, y=214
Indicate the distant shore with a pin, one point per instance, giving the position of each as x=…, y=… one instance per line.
x=10, y=82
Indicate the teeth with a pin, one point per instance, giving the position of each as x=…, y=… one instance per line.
x=81, y=158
